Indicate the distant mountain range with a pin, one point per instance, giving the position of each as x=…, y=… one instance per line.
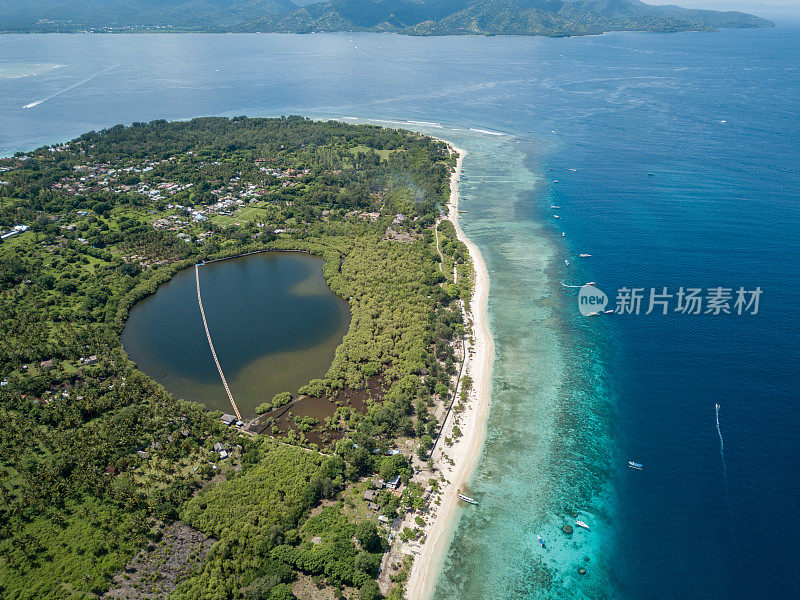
x=555, y=18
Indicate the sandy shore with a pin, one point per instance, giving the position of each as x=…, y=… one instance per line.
x=465, y=451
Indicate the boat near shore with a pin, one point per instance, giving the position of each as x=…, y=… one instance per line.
x=582, y=524
x=467, y=499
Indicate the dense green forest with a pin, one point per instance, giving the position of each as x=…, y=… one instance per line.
x=99, y=459
x=555, y=18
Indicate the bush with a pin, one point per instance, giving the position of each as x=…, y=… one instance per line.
x=369, y=563
x=370, y=591
x=282, y=591
x=367, y=535
x=281, y=399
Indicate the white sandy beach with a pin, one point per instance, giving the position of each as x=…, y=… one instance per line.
x=465, y=451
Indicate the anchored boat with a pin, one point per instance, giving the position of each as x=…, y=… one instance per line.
x=467, y=499
x=635, y=465
x=541, y=541
x=582, y=524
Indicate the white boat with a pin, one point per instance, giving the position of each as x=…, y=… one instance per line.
x=553, y=206
x=563, y=234
x=467, y=499
x=635, y=465
x=584, y=255
x=566, y=262
x=574, y=170
x=556, y=217
x=582, y=524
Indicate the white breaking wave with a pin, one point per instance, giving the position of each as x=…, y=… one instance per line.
x=429, y=123
x=486, y=131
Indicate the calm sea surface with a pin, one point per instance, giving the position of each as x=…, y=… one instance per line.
x=674, y=162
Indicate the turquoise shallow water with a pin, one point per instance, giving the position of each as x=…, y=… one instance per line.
x=713, y=117
x=547, y=447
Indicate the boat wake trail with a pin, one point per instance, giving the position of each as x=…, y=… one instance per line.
x=722, y=456
x=72, y=87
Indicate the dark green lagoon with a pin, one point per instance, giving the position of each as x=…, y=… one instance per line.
x=274, y=322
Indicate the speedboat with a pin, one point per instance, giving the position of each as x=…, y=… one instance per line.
x=556, y=217
x=541, y=541
x=563, y=234
x=582, y=524
x=554, y=206
x=635, y=465
x=584, y=255
x=566, y=262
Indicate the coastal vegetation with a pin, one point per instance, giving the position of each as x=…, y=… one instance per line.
x=554, y=18
x=98, y=458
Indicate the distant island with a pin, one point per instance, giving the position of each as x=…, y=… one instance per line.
x=553, y=18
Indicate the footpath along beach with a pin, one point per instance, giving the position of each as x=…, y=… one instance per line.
x=456, y=461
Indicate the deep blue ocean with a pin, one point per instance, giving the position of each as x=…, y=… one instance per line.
x=674, y=161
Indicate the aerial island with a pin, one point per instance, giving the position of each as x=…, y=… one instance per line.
x=552, y=18
x=113, y=487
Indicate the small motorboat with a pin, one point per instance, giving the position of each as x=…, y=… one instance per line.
x=584, y=255
x=566, y=262
x=635, y=465
x=582, y=524
x=563, y=234
x=553, y=206
x=610, y=311
x=590, y=283
x=556, y=217
x=574, y=170
x=541, y=541
x=467, y=499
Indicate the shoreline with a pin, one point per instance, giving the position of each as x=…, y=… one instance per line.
x=463, y=454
